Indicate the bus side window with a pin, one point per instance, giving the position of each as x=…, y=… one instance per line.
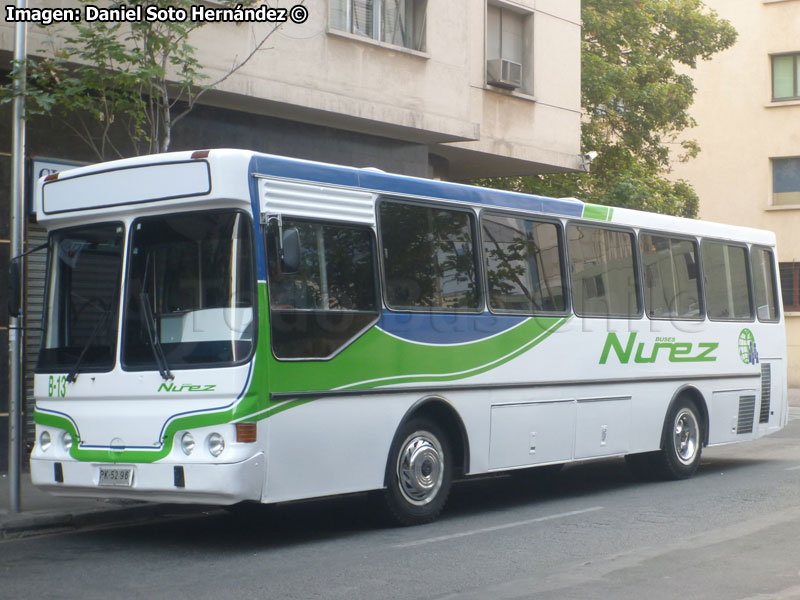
x=604, y=282
x=428, y=257
x=671, y=285
x=523, y=265
x=726, y=283
x=332, y=297
x=764, y=284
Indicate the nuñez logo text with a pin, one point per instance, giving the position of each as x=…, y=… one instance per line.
x=665, y=348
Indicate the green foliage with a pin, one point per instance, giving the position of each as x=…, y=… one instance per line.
x=635, y=102
x=120, y=87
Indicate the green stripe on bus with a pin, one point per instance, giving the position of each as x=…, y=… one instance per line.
x=401, y=361
x=409, y=362
x=597, y=212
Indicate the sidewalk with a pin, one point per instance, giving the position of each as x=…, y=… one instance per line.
x=44, y=513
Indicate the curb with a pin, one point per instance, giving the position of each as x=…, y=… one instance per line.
x=30, y=525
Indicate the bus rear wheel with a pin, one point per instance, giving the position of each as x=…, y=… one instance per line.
x=419, y=473
x=682, y=442
x=681, y=445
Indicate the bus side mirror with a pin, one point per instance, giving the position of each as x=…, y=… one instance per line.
x=290, y=252
x=14, y=288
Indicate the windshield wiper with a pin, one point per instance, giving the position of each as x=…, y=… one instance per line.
x=155, y=344
x=72, y=376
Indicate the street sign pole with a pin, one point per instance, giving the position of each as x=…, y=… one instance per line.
x=17, y=216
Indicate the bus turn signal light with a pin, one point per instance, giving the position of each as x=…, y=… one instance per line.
x=246, y=432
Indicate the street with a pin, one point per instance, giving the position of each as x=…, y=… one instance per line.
x=730, y=533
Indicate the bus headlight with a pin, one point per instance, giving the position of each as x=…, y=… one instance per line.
x=187, y=443
x=45, y=440
x=66, y=440
x=216, y=444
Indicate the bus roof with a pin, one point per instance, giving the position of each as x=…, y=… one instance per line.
x=226, y=167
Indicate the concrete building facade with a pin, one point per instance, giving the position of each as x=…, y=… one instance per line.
x=747, y=109
x=450, y=89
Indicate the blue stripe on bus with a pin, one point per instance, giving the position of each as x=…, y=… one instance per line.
x=441, y=329
x=401, y=185
x=261, y=261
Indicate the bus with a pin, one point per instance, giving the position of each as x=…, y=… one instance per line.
x=225, y=326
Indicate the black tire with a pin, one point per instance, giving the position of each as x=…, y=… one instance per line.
x=682, y=440
x=681, y=445
x=419, y=473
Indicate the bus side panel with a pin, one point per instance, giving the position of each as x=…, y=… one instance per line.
x=732, y=414
x=531, y=433
x=331, y=446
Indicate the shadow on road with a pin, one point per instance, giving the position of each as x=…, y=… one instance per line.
x=261, y=527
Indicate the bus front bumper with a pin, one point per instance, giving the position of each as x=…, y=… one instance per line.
x=189, y=483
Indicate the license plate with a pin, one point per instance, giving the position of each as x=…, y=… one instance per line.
x=116, y=476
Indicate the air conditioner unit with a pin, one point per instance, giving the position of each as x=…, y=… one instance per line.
x=504, y=73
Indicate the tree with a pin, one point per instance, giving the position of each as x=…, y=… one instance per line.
x=121, y=87
x=635, y=98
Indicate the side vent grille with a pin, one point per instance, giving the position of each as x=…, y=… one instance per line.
x=766, y=392
x=747, y=412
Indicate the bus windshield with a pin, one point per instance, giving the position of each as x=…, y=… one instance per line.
x=83, y=298
x=191, y=292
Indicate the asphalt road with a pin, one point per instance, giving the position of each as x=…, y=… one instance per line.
x=732, y=532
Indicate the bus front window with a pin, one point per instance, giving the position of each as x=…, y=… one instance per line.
x=82, y=301
x=191, y=288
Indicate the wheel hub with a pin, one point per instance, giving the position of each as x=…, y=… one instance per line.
x=419, y=468
x=686, y=436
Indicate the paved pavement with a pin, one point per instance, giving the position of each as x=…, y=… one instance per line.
x=44, y=513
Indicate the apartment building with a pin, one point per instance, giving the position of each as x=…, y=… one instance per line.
x=452, y=89
x=747, y=109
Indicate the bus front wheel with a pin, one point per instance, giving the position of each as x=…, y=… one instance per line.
x=419, y=473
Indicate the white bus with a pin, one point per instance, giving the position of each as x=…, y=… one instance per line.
x=225, y=326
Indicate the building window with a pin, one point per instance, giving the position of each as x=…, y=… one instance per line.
x=506, y=33
x=786, y=181
x=396, y=22
x=790, y=278
x=785, y=76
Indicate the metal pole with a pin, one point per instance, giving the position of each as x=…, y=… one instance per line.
x=14, y=323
